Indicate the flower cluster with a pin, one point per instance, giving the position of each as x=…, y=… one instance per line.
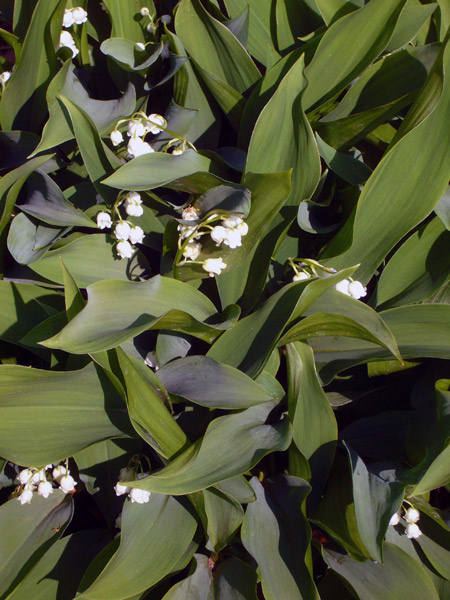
x=410, y=518
x=138, y=127
x=135, y=494
x=306, y=268
x=40, y=480
x=72, y=16
x=125, y=233
x=229, y=232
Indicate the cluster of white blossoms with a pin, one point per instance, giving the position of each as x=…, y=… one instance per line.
x=138, y=127
x=72, y=16
x=230, y=233
x=311, y=268
x=125, y=233
x=135, y=494
x=40, y=480
x=409, y=521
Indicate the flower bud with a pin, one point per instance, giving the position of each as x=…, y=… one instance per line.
x=413, y=531
x=45, y=488
x=192, y=250
x=116, y=137
x=122, y=231
x=104, y=220
x=302, y=276
x=67, y=484
x=58, y=472
x=25, y=476
x=394, y=520
x=124, y=249
x=412, y=515
x=26, y=496
x=136, y=235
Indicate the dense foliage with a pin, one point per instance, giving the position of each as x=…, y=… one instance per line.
x=224, y=300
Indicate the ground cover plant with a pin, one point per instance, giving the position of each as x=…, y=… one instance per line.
x=224, y=300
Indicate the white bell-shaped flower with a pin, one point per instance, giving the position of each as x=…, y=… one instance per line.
x=38, y=476
x=136, y=128
x=58, y=472
x=66, y=41
x=154, y=123
x=136, y=235
x=233, y=238
x=124, y=249
x=79, y=15
x=219, y=234
x=122, y=231
x=412, y=515
x=121, y=489
x=104, y=220
x=45, y=488
x=139, y=496
x=132, y=203
x=178, y=150
x=214, y=266
x=189, y=214
x=232, y=221
x=356, y=290
x=67, y=484
x=137, y=147
x=302, y=276
x=412, y=531
x=192, y=250
x=26, y=496
x=68, y=19
x=145, y=11
x=185, y=230
x=116, y=137
x=4, y=77
x=25, y=476
x=394, y=520
x=342, y=286
x=140, y=46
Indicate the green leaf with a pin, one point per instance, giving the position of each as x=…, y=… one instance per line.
x=314, y=427
x=125, y=18
x=89, y=258
x=127, y=52
x=224, y=516
x=336, y=314
x=45, y=201
x=199, y=584
x=331, y=10
x=235, y=580
x=385, y=221
x=294, y=20
x=352, y=170
x=281, y=547
x=213, y=458
x=212, y=45
x=103, y=113
x=23, y=104
x=210, y=383
x=376, y=500
x=260, y=43
x=410, y=22
x=154, y=538
x=189, y=172
x=84, y=408
x=69, y=558
x=283, y=127
x=98, y=159
x=250, y=342
x=74, y=301
x=418, y=268
x=353, y=42
x=442, y=209
x=399, y=577
x=27, y=531
x=114, y=313
x=147, y=408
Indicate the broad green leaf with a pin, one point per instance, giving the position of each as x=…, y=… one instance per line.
x=399, y=577
x=283, y=127
x=269, y=193
x=69, y=558
x=214, y=47
x=103, y=113
x=314, y=427
x=154, y=538
x=189, y=172
x=199, y=584
x=73, y=299
x=335, y=513
x=420, y=331
x=442, y=209
x=353, y=42
x=116, y=311
x=239, y=488
x=294, y=20
x=232, y=445
x=352, y=170
x=147, y=408
x=235, y=580
x=224, y=515
x=331, y=10
x=45, y=201
x=83, y=406
x=23, y=104
x=89, y=258
x=27, y=531
x=281, y=545
x=334, y=313
x=387, y=221
x=410, y=22
x=435, y=543
x=260, y=43
x=212, y=384
x=98, y=159
x=418, y=268
x=250, y=342
x=127, y=52
x=21, y=309
x=376, y=500
x=126, y=19
x=28, y=240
